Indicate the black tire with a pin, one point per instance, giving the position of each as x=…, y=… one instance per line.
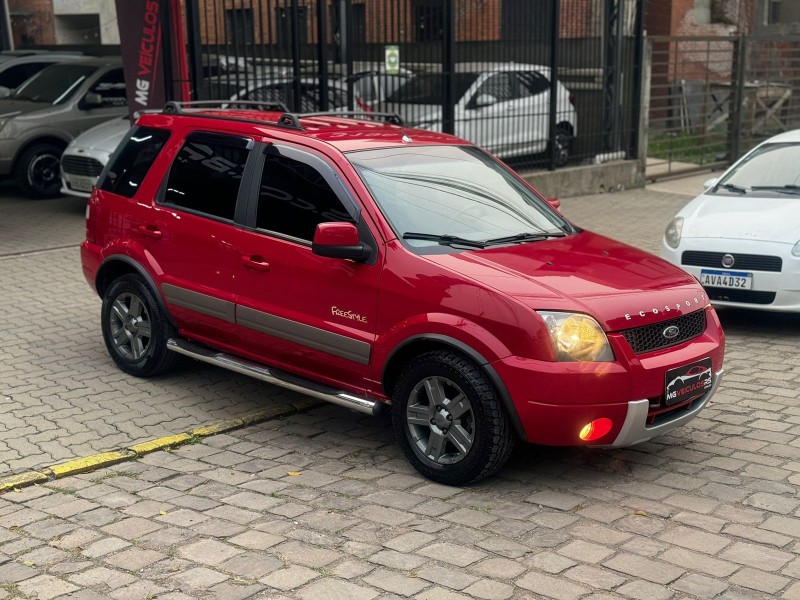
x=445, y=439
x=37, y=171
x=135, y=328
x=563, y=144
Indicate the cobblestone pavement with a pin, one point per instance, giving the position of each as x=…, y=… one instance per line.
x=322, y=505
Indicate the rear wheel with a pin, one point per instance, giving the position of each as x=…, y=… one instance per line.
x=38, y=171
x=562, y=144
x=135, y=329
x=448, y=419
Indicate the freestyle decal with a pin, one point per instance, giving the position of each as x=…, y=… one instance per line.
x=347, y=314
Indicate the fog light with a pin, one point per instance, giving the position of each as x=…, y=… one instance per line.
x=595, y=430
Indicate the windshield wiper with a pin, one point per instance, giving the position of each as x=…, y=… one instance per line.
x=524, y=237
x=732, y=187
x=444, y=240
x=789, y=188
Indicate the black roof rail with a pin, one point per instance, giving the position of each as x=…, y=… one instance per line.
x=174, y=107
x=290, y=121
x=390, y=117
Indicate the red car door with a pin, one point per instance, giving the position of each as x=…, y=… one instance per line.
x=295, y=309
x=190, y=234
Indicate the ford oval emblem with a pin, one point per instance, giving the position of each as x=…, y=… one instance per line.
x=671, y=332
x=727, y=261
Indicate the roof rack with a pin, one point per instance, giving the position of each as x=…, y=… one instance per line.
x=390, y=117
x=174, y=107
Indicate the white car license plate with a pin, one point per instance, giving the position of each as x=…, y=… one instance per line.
x=81, y=184
x=726, y=279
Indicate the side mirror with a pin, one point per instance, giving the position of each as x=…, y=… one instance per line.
x=4, y=92
x=92, y=100
x=555, y=203
x=482, y=100
x=709, y=183
x=339, y=240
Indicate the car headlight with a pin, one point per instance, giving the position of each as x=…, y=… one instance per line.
x=796, y=249
x=672, y=235
x=577, y=337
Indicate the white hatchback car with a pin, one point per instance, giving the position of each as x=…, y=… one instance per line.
x=85, y=157
x=503, y=107
x=741, y=236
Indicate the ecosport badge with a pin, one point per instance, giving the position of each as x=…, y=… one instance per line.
x=699, y=300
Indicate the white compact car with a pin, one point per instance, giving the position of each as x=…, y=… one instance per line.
x=741, y=236
x=87, y=155
x=503, y=107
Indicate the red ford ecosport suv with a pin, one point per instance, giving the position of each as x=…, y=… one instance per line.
x=373, y=265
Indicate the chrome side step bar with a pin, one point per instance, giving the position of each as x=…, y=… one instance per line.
x=275, y=376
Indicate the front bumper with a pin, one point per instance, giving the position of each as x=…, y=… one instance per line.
x=635, y=429
x=771, y=290
x=554, y=401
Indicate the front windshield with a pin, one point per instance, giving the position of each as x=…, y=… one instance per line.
x=452, y=191
x=429, y=88
x=55, y=84
x=771, y=168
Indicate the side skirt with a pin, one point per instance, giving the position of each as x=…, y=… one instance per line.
x=275, y=377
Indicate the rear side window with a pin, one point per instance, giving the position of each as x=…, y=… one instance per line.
x=206, y=174
x=133, y=160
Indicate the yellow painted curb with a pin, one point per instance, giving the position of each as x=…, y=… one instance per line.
x=21, y=480
x=220, y=427
x=160, y=443
x=107, y=459
x=89, y=463
x=307, y=403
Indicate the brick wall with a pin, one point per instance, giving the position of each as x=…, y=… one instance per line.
x=32, y=22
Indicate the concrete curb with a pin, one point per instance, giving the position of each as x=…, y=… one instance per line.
x=107, y=459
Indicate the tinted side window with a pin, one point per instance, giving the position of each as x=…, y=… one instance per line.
x=14, y=76
x=111, y=88
x=133, y=160
x=294, y=198
x=498, y=86
x=206, y=174
x=532, y=83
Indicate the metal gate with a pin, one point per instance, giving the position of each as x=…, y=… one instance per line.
x=538, y=82
x=714, y=98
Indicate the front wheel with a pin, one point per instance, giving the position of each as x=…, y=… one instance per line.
x=38, y=172
x=448, y=419
x=135, y=328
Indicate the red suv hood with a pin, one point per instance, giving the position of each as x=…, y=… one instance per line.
x=621, y=286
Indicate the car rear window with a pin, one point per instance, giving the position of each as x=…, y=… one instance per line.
x=206, y=174
x=132, y=160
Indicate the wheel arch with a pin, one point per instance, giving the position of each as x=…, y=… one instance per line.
x=421, y=344
x=116, y=266
x=46, y=139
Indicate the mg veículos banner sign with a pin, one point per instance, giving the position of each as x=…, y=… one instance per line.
x=153, y=52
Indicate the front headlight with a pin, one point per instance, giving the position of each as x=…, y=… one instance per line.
x=673, y=233
x=577, y=337
x=796, y=249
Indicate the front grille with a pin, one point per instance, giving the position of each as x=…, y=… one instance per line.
x=741, y=262
x=650, y=337
x=81, y=165
x=744, y=296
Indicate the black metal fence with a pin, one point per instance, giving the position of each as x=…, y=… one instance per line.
x=538, y=82
x=713, y=98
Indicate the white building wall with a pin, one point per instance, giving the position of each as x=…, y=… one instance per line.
x=105, y=9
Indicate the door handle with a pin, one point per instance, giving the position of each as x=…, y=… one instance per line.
x=150, y=231
x=255, y=262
